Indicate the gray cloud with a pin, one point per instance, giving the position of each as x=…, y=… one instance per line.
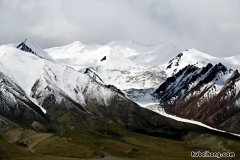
x=210, y=26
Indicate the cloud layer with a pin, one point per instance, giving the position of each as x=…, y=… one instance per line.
x=210, y=26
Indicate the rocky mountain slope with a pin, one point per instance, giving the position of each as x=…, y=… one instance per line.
x=208, y=94
x=15, y=105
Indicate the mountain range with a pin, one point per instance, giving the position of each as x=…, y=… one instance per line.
x=75, y=88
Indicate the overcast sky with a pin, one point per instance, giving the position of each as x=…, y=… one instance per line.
x=211, y=26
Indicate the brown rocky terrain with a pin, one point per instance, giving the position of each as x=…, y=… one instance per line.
x=209, y=95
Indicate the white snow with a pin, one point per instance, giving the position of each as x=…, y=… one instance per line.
x=37, y=49
x=143, y=97
x=23, y=67
x=200, y=59
x=74, y=83
x=78, y=54
x=158, y=109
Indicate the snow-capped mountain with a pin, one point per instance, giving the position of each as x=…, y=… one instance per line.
x=81, y=55
x=126, y=65
x=121, y=64
x=199, y=59
x=41, y=78
x=203, y=88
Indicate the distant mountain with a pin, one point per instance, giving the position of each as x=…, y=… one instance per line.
x=80, y=55
x=199, y=59
x=126, y=65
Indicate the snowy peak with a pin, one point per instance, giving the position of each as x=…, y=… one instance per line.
x=78, y=56
x=199, y=59
x=145, y=54
x=128, y=53
x=34, y=48
x=22, y=46
x=187, y=57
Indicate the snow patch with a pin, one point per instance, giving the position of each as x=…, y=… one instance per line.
x=158, y=109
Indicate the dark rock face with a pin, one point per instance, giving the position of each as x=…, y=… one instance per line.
x=209, y=94
x=104, y=58
x=55, y=101
x=115, y=89
x=14, y=104
x=213, y=73
x=174, y=61
x=182, y=80
x=93, y=75
x=22, y=46
x=172, y=84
